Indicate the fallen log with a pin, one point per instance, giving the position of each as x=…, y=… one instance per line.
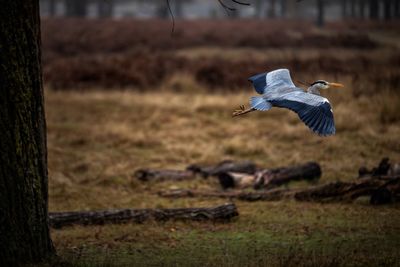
x=309, y=171
x=381, y=169
x=267, y=195
x=387, y=193
x=381, y=190
x=61, y=219
x=223, y=167
x=270, y=178
x=163, y=174
x=384, y=168
x=236, y=180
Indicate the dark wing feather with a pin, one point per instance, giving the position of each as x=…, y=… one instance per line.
x=315, y=111
x=259, y=82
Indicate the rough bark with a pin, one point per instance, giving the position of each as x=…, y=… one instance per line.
x=62, y=219
x=275, y=177
x=267, y=195
x=161, y=175
x=271, y=177
x=224, y=166
x=24, y=232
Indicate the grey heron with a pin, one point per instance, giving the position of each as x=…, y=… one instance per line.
x=277, y=89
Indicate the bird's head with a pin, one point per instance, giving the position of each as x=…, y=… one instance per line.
x=321, y=84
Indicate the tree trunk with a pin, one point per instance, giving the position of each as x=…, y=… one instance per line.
x=24, y=232
x=76, y=8
x=283, y=8
x=353, y=9
x=258, y=7
x=344, y=9
x=271, y=9
x=178, y=8
x=396, y=9
x=373, y=9
x=61, y=219
x=105, y=8
x=361, y=9
x=162, y=10
x=52, y=8
x=321, y=13
x=291, y=8
x=387, y=4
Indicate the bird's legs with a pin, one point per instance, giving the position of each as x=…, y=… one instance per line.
x=242, y=110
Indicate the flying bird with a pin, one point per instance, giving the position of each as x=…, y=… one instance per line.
x=277, y=89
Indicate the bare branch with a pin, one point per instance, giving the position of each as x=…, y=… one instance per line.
x=226, y=7
x=240, y=3
x=172, y=16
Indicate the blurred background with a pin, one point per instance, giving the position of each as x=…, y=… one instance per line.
x=194, y=9
x=128, y=88
x=131, y=43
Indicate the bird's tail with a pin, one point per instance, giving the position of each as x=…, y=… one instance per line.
x=259, y=103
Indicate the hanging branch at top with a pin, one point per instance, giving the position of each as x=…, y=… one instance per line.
x=241, y=3
x=226, y=7
x=172, y=16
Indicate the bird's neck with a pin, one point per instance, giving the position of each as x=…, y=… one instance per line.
x=313, y=90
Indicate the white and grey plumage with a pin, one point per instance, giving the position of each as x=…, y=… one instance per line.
x=277, y=90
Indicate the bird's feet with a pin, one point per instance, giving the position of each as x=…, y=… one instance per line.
x=239, y=111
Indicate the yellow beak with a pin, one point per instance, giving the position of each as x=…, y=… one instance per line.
x=336, y=85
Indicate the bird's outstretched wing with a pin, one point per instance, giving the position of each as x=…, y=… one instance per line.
x=272, y=80
x=315, y=111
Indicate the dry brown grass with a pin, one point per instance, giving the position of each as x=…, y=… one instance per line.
x=98, y=138
x=219, y=54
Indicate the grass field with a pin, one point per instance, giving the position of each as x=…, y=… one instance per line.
x=97, y=138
